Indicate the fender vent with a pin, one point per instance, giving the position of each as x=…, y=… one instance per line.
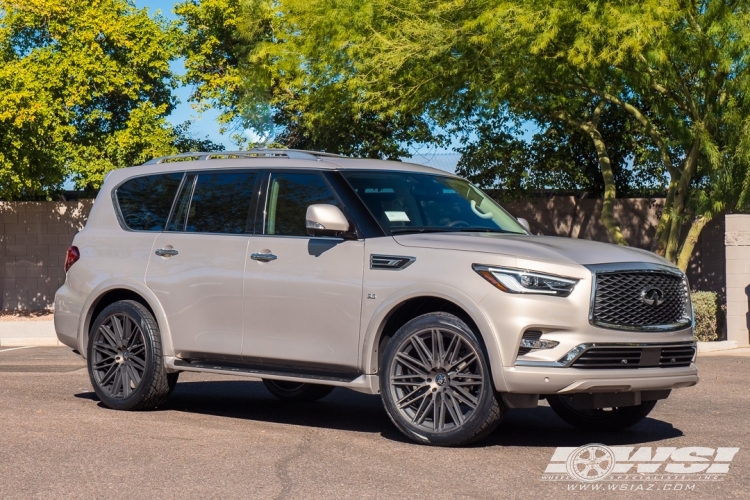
x=390, y=262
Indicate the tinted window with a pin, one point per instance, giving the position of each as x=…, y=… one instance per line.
x=221, y=203
x=289, y=195
x=177, y=222
x=145, y=201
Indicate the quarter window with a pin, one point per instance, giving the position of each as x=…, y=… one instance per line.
x=145, y=201
x=289, y=195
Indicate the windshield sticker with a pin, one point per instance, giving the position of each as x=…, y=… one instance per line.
x=397, y=217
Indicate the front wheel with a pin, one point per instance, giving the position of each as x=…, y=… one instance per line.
x=125, y=360
x=436, y=385
x=601, y=419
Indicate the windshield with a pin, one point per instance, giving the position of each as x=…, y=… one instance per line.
x=405, y=202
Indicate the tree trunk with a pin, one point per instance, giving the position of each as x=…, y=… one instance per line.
x=692, y=238
x=610, y=191
x=680, y=199
x=659, y=245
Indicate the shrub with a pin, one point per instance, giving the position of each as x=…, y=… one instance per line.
x=706, y=311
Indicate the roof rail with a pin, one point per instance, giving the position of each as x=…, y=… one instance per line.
x=295, y=154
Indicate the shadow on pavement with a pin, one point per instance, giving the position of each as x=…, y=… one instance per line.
x=351, y=411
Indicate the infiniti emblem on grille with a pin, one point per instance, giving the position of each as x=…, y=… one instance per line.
x=652, y=296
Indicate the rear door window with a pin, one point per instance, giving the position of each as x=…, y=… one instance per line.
x=215, y=202
x=145, y=201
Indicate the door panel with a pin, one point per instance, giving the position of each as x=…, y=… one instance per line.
x=197, y=267
x=302, y=294
x=303, y=308
x=200, y=290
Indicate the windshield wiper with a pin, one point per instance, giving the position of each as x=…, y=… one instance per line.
x=483, y=230
x=401, y=230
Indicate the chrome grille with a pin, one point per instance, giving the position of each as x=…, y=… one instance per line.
x=635, y=357
x=618, y=300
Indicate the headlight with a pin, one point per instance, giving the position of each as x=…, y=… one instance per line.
x=520, y=281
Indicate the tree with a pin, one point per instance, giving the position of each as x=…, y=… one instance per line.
x=518, y=160
x=677, y=69
x=85, y=87
x=241, y=59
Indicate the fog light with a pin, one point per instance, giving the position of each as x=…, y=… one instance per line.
x=538, y=344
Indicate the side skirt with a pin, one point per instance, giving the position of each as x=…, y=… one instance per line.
x=368, y=384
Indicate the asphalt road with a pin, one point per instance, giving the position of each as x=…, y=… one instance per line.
x=222, y=437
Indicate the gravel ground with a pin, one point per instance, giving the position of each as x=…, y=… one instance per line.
x=222, y=437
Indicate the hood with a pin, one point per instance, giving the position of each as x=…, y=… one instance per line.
x=548, y=248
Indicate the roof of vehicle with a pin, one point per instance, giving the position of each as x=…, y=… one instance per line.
x=274, y=158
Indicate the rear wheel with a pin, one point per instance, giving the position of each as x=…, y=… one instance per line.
x=601, y=419
x=436, y=383
x=125, y=360
x=297, y=391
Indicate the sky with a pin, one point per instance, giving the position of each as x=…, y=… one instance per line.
x=205, y=124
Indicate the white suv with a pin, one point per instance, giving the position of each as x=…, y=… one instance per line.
x=314, y=271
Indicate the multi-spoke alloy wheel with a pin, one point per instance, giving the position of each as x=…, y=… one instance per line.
x=436, y=383
x=119, y=357
x=125, y=359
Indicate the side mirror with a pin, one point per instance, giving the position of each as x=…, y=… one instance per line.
x=524, y=224
x=325, y=220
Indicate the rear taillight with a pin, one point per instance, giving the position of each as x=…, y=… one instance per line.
x=71, y=257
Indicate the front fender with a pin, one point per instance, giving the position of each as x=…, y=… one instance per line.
x=376, y=323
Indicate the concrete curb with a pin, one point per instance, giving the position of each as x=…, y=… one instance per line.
x=723, y=345
x=28, y=333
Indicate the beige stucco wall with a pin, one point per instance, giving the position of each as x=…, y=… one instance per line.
x=34, y=237
x=738, y=278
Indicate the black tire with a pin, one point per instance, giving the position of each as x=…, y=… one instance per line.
x=172, y=381
x=297, y=391
x=604, y=419
x=457, y=386
x=125, y=360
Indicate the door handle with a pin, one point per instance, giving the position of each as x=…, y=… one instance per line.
x=166, y=252
x=263, y=257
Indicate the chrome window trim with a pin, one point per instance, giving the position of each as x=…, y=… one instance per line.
x=645, y=267
x=576, y=352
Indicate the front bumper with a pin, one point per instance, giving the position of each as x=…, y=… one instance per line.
x=552, y=380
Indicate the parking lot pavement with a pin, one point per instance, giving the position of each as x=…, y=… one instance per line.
x=222, y=437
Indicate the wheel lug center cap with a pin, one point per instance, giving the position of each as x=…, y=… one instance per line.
x=441, y=379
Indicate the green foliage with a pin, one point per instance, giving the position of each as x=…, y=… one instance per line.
x=706, y=311
x=85, y=87
x=244, y=58
x=514, y=163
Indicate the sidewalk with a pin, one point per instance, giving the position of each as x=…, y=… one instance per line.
x=741, y=351
x=28, y=333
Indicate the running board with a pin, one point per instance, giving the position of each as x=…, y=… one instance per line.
x=369, y=384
